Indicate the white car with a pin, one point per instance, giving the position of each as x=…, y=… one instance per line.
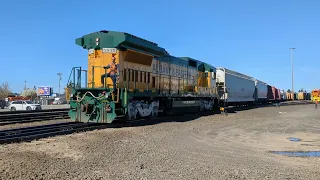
x=24, y=105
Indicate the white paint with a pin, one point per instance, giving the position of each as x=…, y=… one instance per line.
x=143, y=109
x=109, y=50
x=91, y=51
x=206, y=105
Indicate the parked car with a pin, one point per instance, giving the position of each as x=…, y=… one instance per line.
x=24, y=105
x=59, y=101
x=2, y=104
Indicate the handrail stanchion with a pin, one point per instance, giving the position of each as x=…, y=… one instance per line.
x=86, y=79
x=104, y=80
x=74, y=76
x=92, y=77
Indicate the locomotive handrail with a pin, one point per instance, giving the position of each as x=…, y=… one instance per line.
x=188, y=85
x=118, y=98
x=73, y=83
x=72, y=72
x=100, y=97
x=181, y=83
x=105, y=79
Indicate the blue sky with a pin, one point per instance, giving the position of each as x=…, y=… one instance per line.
x=249, y=36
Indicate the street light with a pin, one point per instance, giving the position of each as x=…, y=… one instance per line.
x=291, y=49
x=59, y=74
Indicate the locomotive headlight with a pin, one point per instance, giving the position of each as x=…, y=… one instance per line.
x=97, y=41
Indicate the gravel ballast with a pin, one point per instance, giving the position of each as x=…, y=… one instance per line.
x=236, y=146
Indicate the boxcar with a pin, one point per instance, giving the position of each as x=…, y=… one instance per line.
x=277, y=95
x=271, y=94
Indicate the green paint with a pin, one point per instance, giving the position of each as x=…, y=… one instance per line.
x=90, y=107
x=120, y=40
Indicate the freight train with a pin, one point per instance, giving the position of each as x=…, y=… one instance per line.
x=150, y=81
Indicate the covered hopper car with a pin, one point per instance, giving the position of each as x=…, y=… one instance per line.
x=235, y=88
x=261, y=92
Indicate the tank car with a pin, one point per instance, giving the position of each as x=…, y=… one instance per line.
x=149, y=81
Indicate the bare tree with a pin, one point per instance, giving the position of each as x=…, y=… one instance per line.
x=30, y=93
x=5, y=90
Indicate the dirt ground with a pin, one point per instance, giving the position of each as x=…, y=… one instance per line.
x=30, y=124
x=236, y=146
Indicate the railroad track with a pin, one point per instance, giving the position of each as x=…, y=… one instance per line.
x=233, y=109
x=44, y=131
x=32, y=116
x=33, y=111
x=301, y=102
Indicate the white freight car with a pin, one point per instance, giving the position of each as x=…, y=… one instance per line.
x=261, y=91
x=234, y=87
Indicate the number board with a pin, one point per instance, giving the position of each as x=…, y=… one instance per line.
x=109, y=50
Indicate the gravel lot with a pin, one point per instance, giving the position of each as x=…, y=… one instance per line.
x=184, y=147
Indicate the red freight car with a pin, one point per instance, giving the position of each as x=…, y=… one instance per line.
x=271, y=95
x=278, y=97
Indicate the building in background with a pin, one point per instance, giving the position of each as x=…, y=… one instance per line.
x=45, y=95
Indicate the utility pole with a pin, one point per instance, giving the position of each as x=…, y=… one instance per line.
x=25, y=85
x=60, y=78
x=291, y=49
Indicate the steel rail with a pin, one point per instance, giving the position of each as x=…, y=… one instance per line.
x=37, y=132
x=33, y=111
x=24, y=118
